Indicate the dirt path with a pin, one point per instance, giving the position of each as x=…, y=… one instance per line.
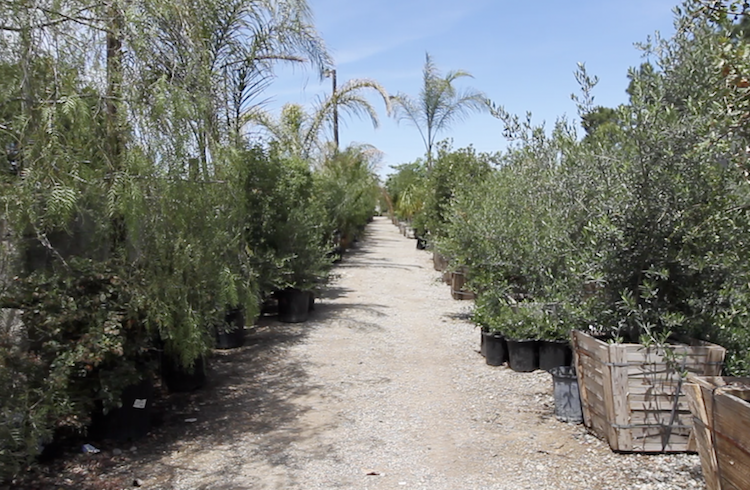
x=382, y=389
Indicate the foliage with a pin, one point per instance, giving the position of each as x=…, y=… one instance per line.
x=284, y=223
x=438, y=105
x=452, y=171
x=639, y=228
x=122, y=124
x=523, y=321
x=406, y=189
x=84, y=341
x=509, y=229
x=298, y=133
x=347, y=186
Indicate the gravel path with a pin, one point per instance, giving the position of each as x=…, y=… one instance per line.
x=382, y=389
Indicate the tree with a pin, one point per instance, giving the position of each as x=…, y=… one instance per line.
x=597, y=117
x=299, y=133
x=438, y=105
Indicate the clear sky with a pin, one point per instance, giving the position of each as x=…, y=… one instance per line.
x=522, y=55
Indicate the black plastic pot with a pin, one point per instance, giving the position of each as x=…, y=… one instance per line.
x=482, y=344
x=421, y=243
x=495, y=349
x=131, y=421
x=294, y=305
x=566, y=393
x=554, y=353
x=311, y=301
x=523, y=355
x=179, y=379
x=232, y=334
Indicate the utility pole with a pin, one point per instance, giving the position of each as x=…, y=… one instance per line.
x=332, y=74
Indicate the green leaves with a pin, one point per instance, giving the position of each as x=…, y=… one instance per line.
x=438, y=105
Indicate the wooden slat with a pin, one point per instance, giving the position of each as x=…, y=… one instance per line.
x=658, y=417
x=734, y=461
x=662, y=403
x=732, y=419
x=716, y=360
x=724, y=447
x=620, y=392
x=578, y=356
x=645, y=387
x=707, y=454
x=592, y=346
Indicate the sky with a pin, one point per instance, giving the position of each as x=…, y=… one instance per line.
x=522, y=55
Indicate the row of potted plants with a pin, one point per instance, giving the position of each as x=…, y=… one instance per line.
x=632, y=233
x=190, y=264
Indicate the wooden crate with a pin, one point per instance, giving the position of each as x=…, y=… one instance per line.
x=458, y=285
x=439, y=262
x=633, y=398
x=721, y=418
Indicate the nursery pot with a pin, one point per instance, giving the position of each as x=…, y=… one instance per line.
x=294, y=305
x=482, y=343
x=567, y=397
x=232, y=333
x=311, y=301
x=554, y=353
x=495, y=349
x=523, y=355
x=179, y=379
x=129, y=422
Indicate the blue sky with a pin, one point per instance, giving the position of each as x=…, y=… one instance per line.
x=521, y=54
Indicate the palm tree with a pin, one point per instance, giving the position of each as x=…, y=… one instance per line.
x=438, y=105
x=299, y=133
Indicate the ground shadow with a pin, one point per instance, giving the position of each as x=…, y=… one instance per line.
x=248, y=406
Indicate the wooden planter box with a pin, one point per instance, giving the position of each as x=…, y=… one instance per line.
x=458, y=285
x=439, y=262
x=721, y=418
x=632, y=398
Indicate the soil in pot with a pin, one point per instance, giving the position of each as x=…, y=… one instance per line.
x=523, y=355
x=495, y=349
x=232, y=334
x=294, y=305
x=554, y=353
x=566, y=393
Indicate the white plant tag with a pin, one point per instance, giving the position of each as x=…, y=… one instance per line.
x=140, y=403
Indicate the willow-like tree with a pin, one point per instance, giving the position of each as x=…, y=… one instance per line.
x=439, y=103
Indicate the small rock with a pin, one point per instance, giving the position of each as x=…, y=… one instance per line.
x=137, y=482
x=117, y=452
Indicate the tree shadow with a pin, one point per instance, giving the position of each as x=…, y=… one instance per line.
x=248, y=408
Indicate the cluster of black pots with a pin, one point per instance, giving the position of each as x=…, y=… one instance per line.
x=524, y=355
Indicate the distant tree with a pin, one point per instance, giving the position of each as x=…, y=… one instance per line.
x=438, y=105
x=298, y=132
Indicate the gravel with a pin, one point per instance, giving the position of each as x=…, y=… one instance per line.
x=382, y=388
